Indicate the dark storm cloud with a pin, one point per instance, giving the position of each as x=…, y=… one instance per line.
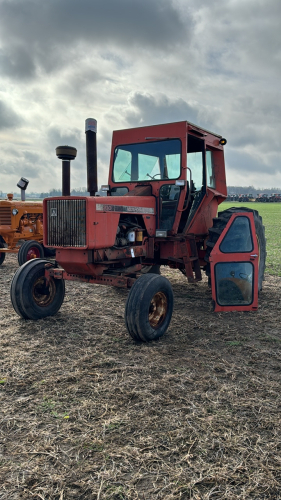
x=49, y=31
x=24, y=164
x=244, y=38
x=8, y=118
x=146, y=109
x=16, y=62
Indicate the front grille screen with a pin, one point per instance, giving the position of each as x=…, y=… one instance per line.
x=5, y=216
x=66, y=223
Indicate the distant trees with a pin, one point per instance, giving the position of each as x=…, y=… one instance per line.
x=55, y=192
x=251, y=189
x=81, y=191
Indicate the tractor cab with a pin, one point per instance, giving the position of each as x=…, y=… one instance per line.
x=179, y=164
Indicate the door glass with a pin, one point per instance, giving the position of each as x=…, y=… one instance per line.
x=239, y=237
x=234, y=283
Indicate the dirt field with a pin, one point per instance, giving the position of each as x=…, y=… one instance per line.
x=87, y=413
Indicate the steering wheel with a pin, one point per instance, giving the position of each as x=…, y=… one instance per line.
x=164, y=177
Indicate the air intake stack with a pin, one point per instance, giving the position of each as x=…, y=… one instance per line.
x=66, y=154
x=91, y=154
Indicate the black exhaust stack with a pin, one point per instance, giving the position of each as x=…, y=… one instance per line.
x=91, y=154
x=66, y=154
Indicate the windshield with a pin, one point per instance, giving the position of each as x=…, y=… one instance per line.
x=146, y=161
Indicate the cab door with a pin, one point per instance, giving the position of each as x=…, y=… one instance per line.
x=234, y=263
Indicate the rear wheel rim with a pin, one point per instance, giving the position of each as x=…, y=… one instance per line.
x=158, y=309
x=33, y=253
x=42, y=294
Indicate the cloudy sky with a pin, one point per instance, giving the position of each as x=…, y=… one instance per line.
x=129, y=63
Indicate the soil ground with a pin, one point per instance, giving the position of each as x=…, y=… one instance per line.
x=87, y=413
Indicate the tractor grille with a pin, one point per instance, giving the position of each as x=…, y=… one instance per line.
x=66, y=223
x=5, y=216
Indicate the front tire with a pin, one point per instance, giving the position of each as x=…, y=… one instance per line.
x=149, y=307
x=32, y=297
x=30, y=250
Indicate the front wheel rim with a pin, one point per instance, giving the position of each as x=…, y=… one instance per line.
x=158, y=309
x=42, y=294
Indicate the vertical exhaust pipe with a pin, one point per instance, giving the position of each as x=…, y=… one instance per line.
x=91, y=154
x=22, y=184
x=66, y=154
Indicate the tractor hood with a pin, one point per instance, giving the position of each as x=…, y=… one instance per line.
x=92, y=222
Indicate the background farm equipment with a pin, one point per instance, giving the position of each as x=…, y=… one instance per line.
x=232, y=197
x=159, y=208
x=262, y=198
x=273, y=198
x=245, y=198
x=21, y=227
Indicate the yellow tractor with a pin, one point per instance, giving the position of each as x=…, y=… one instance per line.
x=21, y=227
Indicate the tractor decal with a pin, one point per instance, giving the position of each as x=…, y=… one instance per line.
x=122, y=208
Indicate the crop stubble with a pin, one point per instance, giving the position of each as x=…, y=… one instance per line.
x=87, y=413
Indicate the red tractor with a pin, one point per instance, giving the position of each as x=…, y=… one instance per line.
x=159, y=209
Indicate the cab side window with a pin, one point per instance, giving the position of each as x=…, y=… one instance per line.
x=210, y=169
x=195, y=163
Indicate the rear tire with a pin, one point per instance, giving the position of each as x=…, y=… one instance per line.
x=149, y=307
x=31, y=296
x=30, y=250
x=219, y=224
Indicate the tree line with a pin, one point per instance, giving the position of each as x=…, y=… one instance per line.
x=57, y=192
x=82, y=191
x=251, y=190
